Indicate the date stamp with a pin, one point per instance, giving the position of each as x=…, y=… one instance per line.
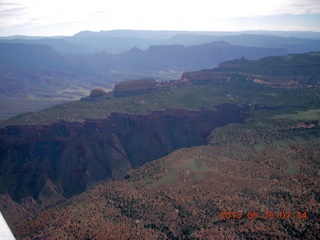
x=265, y=215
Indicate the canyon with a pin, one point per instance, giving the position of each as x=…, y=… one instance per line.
x=167, y=159
x=47, y=164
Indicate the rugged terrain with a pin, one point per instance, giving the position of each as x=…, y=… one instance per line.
x=64, y=158
x=39, y=71
x=222, y=155
x=49, y=70
x=252, y=185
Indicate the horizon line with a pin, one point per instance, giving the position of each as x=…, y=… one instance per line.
x=163, y=30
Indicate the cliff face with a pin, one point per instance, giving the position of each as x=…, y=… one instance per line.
x=133, y=87
x=57, y=161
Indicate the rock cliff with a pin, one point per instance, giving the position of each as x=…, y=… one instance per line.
x=57, y=161
x=133, y=87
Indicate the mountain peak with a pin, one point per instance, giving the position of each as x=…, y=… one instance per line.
x=220, y=43
x=135, y=49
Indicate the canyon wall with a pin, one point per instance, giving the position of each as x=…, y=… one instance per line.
x=54, y=162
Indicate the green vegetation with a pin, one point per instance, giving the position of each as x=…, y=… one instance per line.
x=310, y=114
x=292, y=65
x=185, y=96
x=184, y=194
x=292, y=167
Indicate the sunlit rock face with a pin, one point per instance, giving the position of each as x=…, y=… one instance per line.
x=133, y=87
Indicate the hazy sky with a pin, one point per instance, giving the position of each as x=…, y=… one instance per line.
x=67, y=17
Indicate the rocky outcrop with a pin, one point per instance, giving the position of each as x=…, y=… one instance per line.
x=133, y=87
x=204, y=75
x=97, y=92
x=57, y=161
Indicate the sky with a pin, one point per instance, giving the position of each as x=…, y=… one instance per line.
x=68, y=17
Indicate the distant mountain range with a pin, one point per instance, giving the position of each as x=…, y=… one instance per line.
x=42, y=72
x=118, y=41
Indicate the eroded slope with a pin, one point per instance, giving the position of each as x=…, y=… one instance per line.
x=257, y=183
